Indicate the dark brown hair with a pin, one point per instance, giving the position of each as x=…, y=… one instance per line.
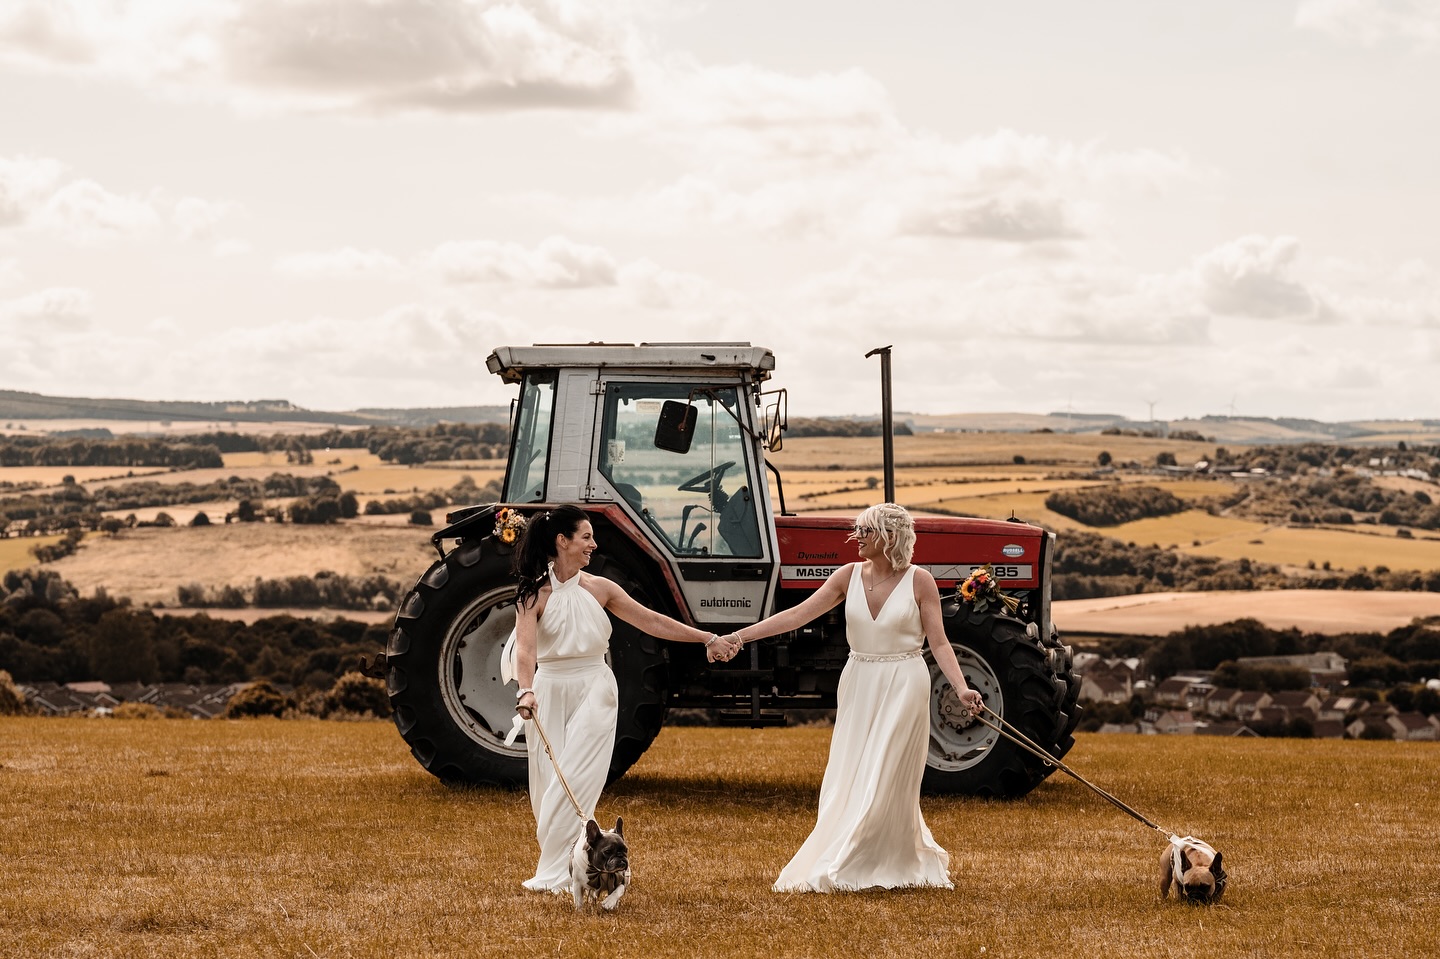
x=537, y=548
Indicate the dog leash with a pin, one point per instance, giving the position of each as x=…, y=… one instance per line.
x=1177, y=843
x=1020, y=739
x=535, y=718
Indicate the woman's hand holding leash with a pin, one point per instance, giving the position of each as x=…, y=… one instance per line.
x=525, y=703
x=972, y=701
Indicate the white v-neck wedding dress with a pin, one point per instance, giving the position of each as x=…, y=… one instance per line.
x=869, y=831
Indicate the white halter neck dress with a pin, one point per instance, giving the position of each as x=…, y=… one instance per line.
x=577, y=701
x=869, y=831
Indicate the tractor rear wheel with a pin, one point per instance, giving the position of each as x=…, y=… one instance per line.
x=443, y=670
x=1030, y=683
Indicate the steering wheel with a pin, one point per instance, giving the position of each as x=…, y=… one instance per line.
x=707, y=481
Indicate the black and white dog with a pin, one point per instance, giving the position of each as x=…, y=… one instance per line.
x=600, y=865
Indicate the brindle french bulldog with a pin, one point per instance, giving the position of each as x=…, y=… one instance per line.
x=600, y=865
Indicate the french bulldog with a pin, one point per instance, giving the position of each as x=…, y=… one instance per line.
x=1195, y=869
x=600, y=865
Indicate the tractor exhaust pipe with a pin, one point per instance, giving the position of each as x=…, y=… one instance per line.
x=887, y=420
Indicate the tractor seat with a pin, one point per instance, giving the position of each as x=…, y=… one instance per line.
x=630, y=493
x=737, y=524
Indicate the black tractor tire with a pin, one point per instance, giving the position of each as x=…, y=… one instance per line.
x=1028, y=681
x=443, y=670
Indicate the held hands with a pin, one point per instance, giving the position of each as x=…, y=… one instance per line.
x=722, y=649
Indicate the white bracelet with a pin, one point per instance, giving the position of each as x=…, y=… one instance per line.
x=713, y=638
x=521, y=693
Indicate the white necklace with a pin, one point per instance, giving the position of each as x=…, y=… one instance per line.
x=871, y=587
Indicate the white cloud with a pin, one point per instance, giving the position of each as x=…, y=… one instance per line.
x=35, y=192
x=198, y=220
x=25, y=182
x=1371, y=21
x=377, y=55
x=345, y=262
x=230, y=246
x=1004, y=186
x=87, y=213
x=46, y=311
x=656, y=288
x=746, y=111
x=556, y=262
x=10, y=273
x=1254, y=276
x=1011, y=216
x=326, y=362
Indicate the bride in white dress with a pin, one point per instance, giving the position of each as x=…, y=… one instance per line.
x=562, y=633
x=869, y=831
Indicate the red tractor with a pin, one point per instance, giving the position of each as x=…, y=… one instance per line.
x=664, y=446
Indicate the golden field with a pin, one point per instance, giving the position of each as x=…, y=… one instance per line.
x=267, y=839
x=956, y=473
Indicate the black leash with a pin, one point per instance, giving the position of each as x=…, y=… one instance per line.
x=1020, y=739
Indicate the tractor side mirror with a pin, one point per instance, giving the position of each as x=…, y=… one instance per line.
x=776, y=415
x=675, y=429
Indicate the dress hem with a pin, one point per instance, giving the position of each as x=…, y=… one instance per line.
x=803, y=887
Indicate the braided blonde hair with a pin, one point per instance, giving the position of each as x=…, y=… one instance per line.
x=896, y=531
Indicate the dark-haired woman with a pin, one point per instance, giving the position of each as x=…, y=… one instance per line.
x=561, y=637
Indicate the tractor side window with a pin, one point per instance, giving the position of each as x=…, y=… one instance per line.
x=525, y=475
x=698, y=503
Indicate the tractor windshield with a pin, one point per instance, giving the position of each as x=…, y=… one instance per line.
x=698, y=502
x=525, y=476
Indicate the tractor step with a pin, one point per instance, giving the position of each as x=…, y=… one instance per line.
x=737, y=717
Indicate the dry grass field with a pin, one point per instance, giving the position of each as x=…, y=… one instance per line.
x=1310, y=610
x=312, y=839
x=962, y=473
x=16, y=553
x=983, y=449
x=148, y=564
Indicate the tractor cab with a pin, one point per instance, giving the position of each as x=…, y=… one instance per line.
x=673, y=435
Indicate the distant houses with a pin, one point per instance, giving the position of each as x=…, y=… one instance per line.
x=96, y=698
x=1191, y=704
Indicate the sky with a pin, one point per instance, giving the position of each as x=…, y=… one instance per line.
x=1117, y=206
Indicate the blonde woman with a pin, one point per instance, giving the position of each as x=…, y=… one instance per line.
x=869, y=832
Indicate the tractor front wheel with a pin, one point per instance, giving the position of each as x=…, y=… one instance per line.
x=443, y=670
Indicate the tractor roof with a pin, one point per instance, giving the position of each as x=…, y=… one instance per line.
x=512, y=361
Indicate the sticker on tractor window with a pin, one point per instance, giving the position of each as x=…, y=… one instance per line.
x=616, y=452
x=1013, y=549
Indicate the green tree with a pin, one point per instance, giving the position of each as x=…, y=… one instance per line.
x=358, y=693
x=257, y=699
x=121, y=648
